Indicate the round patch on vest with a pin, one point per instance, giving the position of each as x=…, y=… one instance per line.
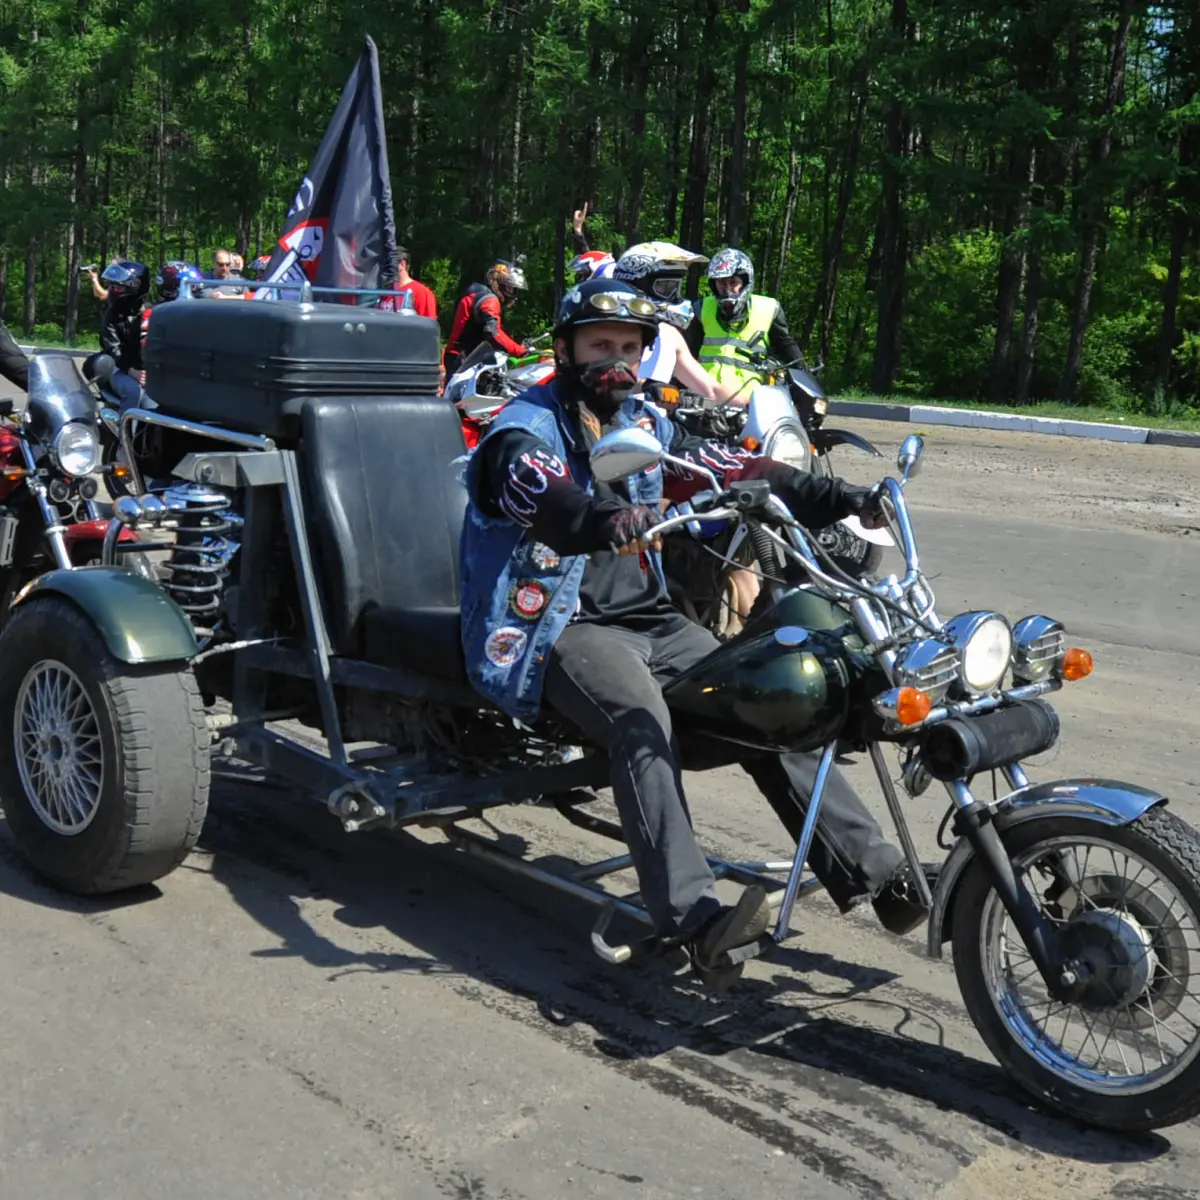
x=505, y=645
x=528, y=598
x=543, y=557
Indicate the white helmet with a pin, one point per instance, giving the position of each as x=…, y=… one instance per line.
x=657, y=268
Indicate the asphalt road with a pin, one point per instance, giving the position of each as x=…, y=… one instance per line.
x=299, y=1012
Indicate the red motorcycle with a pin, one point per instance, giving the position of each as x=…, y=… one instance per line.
x=49, y=456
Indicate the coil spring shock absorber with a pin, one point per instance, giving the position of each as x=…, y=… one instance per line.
x=199, y=561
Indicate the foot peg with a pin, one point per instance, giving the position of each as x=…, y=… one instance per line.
x=621, y=953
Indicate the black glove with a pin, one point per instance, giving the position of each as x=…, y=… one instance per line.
x=627, y=525
x=864, y=503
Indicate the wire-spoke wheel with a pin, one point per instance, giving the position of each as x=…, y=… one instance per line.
x=60, y=754
x=855, y=555
x=104, y=768
x=1125, y=1051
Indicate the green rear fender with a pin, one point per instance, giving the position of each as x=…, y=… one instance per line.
x=138, y=621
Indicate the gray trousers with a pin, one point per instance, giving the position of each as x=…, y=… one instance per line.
x=608, y=681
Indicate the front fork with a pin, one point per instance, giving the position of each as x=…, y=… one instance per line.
x=54, y=526
x=975, y=821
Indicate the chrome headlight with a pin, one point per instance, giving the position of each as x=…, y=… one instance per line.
x=1039, y=644
x=787, y=445
x=929, y=666
x=985, y=644
x=76, y=449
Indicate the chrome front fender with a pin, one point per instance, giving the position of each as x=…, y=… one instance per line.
x=1101, y=800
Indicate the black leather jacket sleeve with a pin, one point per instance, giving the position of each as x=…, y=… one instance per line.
x=780, y=340
x=14, y=366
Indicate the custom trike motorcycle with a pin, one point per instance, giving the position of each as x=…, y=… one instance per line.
x=308, y=622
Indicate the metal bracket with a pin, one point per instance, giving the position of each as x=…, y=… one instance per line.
x=356, y=808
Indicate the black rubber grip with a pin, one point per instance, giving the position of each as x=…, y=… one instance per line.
x=966, y=746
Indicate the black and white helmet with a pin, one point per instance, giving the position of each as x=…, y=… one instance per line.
x=727, y=264
x=657, y=268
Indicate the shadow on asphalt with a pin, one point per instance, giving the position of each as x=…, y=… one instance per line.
x=474, y=924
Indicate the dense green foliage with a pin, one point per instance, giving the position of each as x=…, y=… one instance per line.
x=993, y=200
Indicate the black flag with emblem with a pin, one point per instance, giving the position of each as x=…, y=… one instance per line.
x=341, y=228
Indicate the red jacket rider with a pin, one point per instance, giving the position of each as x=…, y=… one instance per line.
x=477, y=316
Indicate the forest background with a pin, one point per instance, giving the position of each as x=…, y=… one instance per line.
x=983, y=200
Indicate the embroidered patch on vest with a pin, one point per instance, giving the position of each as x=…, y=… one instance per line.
x=527, y=599
x=505, y=645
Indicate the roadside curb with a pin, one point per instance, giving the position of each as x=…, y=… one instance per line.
x=969, y=418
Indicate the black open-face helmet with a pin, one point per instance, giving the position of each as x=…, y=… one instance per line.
x=599, y=301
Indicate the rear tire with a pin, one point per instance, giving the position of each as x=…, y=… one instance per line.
x=104, y=767
x=1172, y=849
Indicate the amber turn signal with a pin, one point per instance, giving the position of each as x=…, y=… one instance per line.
x=751, y=444
x=1076, y=665
x=912, y=706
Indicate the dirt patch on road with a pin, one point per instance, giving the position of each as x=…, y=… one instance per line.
x=1076, y=480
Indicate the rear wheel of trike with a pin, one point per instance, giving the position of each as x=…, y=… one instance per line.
x=1126, y=902
x=104, y=768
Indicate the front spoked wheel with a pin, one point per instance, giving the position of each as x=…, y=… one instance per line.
x=1125, y=1054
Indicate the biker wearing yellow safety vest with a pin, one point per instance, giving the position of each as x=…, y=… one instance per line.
x=729, y=321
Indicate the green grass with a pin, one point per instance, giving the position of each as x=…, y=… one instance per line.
x=83, y=342
x=1188, y=419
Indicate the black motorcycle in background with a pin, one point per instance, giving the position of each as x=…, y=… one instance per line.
x=49, y=483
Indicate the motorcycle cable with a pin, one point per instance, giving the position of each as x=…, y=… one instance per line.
x=856, y=586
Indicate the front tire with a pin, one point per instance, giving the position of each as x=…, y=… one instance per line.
x=854, y=555
x=104, y=771
x=1141, y=1022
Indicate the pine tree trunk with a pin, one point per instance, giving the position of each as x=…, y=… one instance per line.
x=30, y=287
x=1033, y=287
x=1094, y=208
x=893, y=232
x=1012, y=265
x=825, y=301
x=692, y=233
x=737, y=155
x=1181, y=224
x=789, y=213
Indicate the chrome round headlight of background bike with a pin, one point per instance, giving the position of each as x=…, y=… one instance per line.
x=787, y=445
x=985, y=646
x=76, y=449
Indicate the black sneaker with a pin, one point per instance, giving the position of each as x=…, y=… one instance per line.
x=898, y=903
x=740, y=925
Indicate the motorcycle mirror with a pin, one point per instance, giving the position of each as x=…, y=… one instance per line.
x=909, y=458
x=624, y=452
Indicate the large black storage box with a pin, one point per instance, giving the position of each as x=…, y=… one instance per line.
x=250, y=364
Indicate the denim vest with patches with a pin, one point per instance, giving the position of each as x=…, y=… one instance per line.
x=518, y=595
